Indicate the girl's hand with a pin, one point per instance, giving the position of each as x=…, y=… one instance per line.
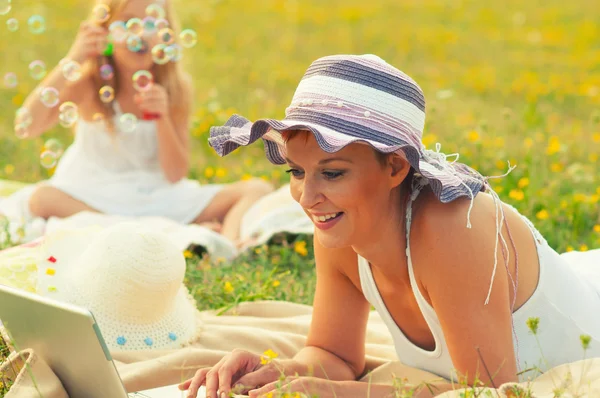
x=90, y=42
x=155, y=101
x=302, y=387
x=241, y=369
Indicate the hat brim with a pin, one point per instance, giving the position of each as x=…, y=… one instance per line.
x=447, y=183
x=59, y=254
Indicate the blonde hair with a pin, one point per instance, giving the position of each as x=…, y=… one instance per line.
x=171, y=75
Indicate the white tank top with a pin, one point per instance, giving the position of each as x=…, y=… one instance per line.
x=567, y=301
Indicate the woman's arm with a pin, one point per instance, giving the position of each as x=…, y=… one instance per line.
x=455, y=265
x=335, y=346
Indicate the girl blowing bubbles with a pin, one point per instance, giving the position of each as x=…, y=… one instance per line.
x=130, y=153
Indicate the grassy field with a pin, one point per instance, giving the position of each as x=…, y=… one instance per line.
x=509, y=80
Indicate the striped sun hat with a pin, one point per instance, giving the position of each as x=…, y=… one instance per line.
x=345, y=99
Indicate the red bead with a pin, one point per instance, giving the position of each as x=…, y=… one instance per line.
x=52, y=259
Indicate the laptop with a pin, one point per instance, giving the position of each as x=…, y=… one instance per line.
x=68, y=338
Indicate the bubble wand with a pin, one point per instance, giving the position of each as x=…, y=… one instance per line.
x=142, y=82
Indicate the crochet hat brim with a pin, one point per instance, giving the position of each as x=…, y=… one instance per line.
x=59, y=254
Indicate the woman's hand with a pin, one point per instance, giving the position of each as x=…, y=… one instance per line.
x=155, y=101
x=303, y=386
x=90, y=42
x=241, y=370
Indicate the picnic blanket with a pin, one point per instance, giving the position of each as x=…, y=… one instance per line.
x=281, y=327
x=274, y=214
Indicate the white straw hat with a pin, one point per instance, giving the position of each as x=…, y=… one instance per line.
x=129, y=277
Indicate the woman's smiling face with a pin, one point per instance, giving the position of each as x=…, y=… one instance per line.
x=347, y=194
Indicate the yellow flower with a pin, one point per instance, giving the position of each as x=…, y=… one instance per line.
x=300, y=248
x=570, y=248
x=276, y=283
x=523, y=182
x=473, y=136
x=579, y=198
x=221, y=172
x=429, y=140
x=553, y=146
x=209, y=172
x=228, y=288
x=596, y=137
x=583, y=248
x=9, y=169
x=564, y=204
x=268, y=356
x=246, y=177
x=516, y=194
x=18, y=99
x=501, y=164
x=593, y=158
x=543, y=214
x=188, y=254
x=556, y=167
x=597, y=228
x=528, y=142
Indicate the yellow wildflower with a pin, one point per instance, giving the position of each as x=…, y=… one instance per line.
x=268, y=356
x=596, y=137
x=228, y=288
x=276, y=283
x=528, y=142
x=523, y=182
x=246, y=177
x=564, y=204
x=188, y=254
x=556, y=167
x=300, y=248
x=18, y=99
x=429, y=140
x=221, y=172
x=501, y=164
x=593, y=158
x=553, y=146
x=9, y=169
x=473, y=136
x=570, y=248
x=543, y=214
x=516, y=194
x=209, y=172
x=583, y=248
x=597, y=228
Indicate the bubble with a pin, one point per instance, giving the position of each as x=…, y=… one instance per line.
x=49, y=97
x=161, y=24
x=118, y=31
x=55, y=146
x=101, y=13
x=98, y=117
x=10, y=80
x=174, y=52
x=21, y=131
x=107, y=94
x=37, y=69
x=135, y=26
x=4, y=7
x=166, y=36
x=71, y=70
x=188, y=38
x=159, y=54
x=48, y=159
x=37, y=24
x=68, y=114
x=155, y=11
x=23, y=117
x=142, y=80
x=134, y=43
x=128, y=122
x=149, y=24
x=12, y=24
x=106, y=72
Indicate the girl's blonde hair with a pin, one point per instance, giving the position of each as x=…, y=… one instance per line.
x=171, y=75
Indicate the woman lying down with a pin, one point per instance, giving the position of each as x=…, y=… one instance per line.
x=457, y=275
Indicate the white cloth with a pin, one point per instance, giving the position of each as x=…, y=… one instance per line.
x=566, y=301
x=120, y=174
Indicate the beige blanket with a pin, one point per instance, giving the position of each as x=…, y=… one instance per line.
x=281, y=327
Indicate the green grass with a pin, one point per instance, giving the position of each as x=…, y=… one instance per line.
x=509, y=80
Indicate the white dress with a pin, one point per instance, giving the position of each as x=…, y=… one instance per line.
x=120, y=174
